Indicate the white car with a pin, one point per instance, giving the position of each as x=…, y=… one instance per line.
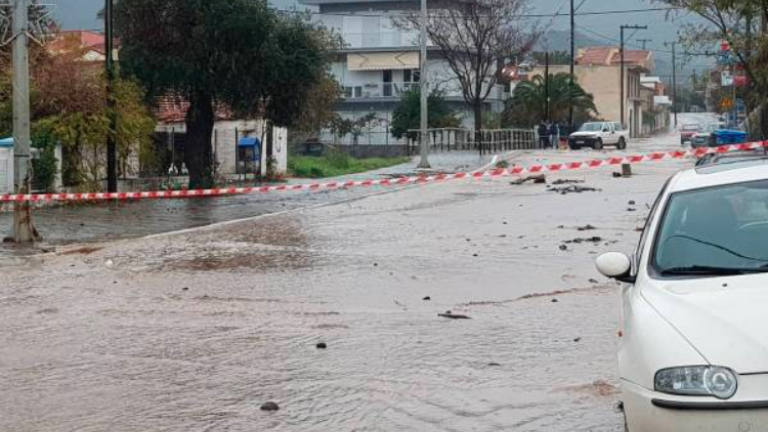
x=599, y=134
x=693, y=354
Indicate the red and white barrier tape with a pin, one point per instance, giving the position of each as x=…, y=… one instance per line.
x=334, y=185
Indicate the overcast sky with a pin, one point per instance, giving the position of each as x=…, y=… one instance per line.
x=82, y=14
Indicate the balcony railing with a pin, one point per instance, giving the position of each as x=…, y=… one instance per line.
x=381, y=39
x=378, y=90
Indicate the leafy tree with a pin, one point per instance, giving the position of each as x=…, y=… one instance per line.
x=407, y=114
x=341, y=127
x=744, y=25
x=527, y=106
x=234, y=55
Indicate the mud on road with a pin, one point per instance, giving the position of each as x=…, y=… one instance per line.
x=196, y=331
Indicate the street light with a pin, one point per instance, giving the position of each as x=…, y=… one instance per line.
x=424, y=88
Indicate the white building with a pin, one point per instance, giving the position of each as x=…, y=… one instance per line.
x=380, y=61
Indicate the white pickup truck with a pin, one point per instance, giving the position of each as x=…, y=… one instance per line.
x=599, y=134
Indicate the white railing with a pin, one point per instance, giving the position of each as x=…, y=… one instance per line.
x=378, y=90
x=456, y=139
x=381, y=39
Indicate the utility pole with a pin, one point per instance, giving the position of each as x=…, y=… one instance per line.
x=644, y=41
x=110, y=64
x=573, y=62
x=546, y=86
x=674, y=79
x=424, y=90
x=621, y=52
x=23, y=229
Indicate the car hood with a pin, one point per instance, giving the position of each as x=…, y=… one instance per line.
x=725, y=319
x=585, y=134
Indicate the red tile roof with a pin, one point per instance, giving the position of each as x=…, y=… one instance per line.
x=609, y=56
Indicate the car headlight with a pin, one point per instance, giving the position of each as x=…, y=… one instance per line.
x=714, y=381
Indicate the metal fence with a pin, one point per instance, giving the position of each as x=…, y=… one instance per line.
x=451, y=139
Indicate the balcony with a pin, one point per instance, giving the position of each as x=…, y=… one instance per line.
x=395, y=39
x=377, y=90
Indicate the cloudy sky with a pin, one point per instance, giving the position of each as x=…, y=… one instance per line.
x=82, y=14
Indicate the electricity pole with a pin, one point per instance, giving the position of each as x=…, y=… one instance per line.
x=674, y=79
x=23, y=229
x=546, y=86
x=573, y=63
x=644, y=41
x=621, y=51
x=424, y=89
x=110, y=64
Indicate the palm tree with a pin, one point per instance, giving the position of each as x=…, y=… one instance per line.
x=527, y=106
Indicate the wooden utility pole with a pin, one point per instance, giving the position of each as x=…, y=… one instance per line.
x=110, y=65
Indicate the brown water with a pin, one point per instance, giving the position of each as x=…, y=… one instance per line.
x=193, y=332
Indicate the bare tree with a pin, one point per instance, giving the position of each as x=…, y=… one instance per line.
x=475, y=37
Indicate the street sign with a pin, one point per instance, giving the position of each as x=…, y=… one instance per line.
x=727, y=79
x=726, y=103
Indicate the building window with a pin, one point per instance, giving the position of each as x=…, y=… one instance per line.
x=411, y=75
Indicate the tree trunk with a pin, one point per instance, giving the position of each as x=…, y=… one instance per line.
x=198, y=154
x=270, y=149
x=478, y=108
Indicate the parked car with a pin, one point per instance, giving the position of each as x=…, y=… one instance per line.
x=599, y=134
x=693, y=355
x=688, y=131
x=701, y=139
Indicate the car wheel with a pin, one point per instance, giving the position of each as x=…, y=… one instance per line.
x=598, y=145
x=622, y=144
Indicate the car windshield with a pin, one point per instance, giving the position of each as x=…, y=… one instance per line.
x=691, y=128
x=591, y=127
x=714, y=231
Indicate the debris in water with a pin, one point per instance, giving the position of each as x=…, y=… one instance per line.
x=538, y=179
x=563, y=247
x=503, y=236
x=573, y=189
x=630, y=209
x=321, y=345
x=593, y=281
x=578, y=339
x=554, y=300
x=617, y=175
x=586, y=227
x=474, y=255
x=375, y=264
x=632, y=202
x=269, y=406
x=566, y=181
x=450, y=315
x=185, y=289
x=427, y=298
x=594, y=239
x=494, y=364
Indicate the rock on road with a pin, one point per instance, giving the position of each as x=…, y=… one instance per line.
x=195, y=331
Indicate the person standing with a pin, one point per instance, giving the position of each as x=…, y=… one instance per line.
x=543, y=135
x=555, y=135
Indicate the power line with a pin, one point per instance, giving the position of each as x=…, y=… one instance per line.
x=607, y=38
x=557, y=14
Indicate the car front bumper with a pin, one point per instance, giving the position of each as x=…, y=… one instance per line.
x=650, y=411
x=582, y=141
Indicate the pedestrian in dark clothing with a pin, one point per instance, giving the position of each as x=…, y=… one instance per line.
x=554, y=135
x=543, y=135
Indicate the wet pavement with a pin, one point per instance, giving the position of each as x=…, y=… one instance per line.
x=194, y=331
x=61, y=225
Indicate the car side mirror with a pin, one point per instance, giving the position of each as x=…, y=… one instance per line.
x=615, y=265
x=605, y=130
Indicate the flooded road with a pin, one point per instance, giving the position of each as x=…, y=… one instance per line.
x=195, y=331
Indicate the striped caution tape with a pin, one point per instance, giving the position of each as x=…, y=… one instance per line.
x=336, y=185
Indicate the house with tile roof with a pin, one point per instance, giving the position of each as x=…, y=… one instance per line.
x=598, y=71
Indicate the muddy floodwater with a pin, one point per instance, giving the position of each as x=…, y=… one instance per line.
x=194, y=331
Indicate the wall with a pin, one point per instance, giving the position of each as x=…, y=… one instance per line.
x=227, y=134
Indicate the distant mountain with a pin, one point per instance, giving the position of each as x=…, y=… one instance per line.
x=560, y=40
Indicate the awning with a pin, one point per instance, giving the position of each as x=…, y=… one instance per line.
x=382, y=61
x=249, y=142
x=6, y=142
